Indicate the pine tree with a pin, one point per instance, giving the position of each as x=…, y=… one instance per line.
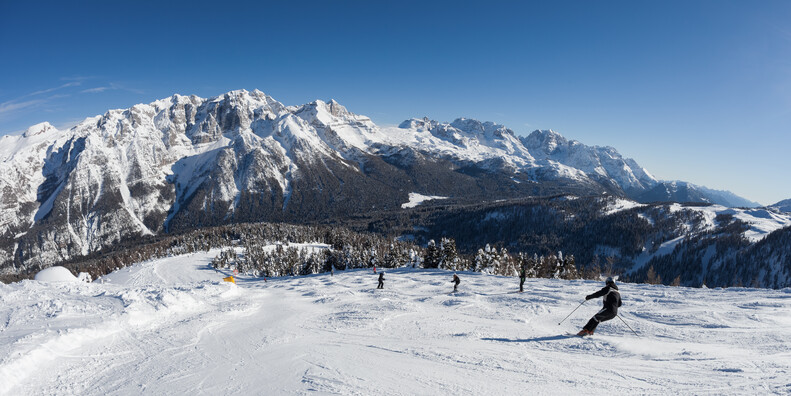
x=431, y=257
x=449, y=257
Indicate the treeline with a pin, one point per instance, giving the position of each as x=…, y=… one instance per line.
x=604, y=241
x=346, y=250
x=544, y=226
x=267, y=250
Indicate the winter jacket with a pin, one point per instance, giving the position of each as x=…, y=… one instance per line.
x=456, y=279
x=612, y=298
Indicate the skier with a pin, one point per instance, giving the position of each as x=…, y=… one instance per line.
x=456, y=282
x=612, y=300
x=522, y=276
x=381, y=281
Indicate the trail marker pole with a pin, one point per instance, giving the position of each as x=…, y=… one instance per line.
x=567, y=316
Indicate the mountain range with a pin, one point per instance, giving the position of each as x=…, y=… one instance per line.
x=782, y=206
x=186, y=162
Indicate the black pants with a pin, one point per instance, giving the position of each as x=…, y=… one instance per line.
x=381, y=285
x=455, y=286
x=521, y=284
x=602, y=316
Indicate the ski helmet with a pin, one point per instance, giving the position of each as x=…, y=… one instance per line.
x=610, y=281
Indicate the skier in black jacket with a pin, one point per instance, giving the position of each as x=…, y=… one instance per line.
x=381, y=281
x=456, y=282
x=612, y=300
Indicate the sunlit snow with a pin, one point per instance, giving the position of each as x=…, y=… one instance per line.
x=416, y=199
x=171, y=326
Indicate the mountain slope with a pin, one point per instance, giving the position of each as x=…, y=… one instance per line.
x=678, y=191
x=603, y=163
x=782, y=206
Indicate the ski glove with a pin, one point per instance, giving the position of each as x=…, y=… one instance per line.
x=588, y=297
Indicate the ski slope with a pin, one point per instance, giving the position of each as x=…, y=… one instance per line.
x=170, y=326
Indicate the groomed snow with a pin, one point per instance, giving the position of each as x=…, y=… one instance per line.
x=170, y=326
x=416, y=199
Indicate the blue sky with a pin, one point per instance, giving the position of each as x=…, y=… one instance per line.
x=693, y=90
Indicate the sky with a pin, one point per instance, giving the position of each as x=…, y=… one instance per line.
x=698, y=91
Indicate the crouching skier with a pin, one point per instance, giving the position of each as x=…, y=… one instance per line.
x=456, y=282
x=381, y=281
x=612, y=300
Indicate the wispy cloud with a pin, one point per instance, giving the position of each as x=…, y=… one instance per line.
x=12, y=106
x=43, y=91
x=96, y=90
x=49, y=99
x=110, y=87
x=34, y=100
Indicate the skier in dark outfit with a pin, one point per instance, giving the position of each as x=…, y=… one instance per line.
x=456, y=281
x=381, y=281
x=612, y=300
x=522, y=276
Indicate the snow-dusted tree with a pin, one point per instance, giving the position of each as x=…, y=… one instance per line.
x=569, y=268
x=485, y=260
x=508, y=265
x=431, y=256
x=449, y=257
x=415, y=259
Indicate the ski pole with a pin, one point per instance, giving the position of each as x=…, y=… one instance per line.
x=627, y=325
x=567, y=316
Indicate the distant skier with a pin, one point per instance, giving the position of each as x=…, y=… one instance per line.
x=612, y=300
x=381, y=281
x=456, y=282
x=522, y=276
x=374, y=270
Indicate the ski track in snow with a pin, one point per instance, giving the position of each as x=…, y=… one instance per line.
x=169, y=326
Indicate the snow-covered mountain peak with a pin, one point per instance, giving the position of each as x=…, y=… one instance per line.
x=547, y=140
x=38, y=129
x=317, y=108
x=419, y=124
x=594, y=161
x=487, y=129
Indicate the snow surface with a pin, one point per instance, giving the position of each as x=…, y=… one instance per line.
x=55, y=274
x=620, y=205
x=416, y=199
x=762, y=222
x=170, y=326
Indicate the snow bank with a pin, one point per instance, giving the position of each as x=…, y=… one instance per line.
x=55, y=274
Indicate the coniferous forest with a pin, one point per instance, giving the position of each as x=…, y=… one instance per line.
x=557, y=237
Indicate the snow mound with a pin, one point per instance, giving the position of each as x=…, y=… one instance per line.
x=56, y=274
